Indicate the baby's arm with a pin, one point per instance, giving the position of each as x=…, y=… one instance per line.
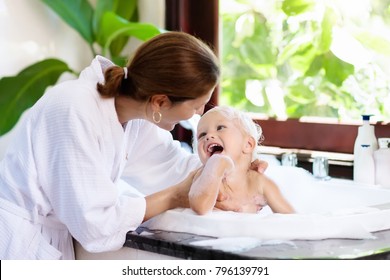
x=275, y=199
x=204, y=190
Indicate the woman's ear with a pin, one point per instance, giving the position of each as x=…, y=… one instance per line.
x=249, y=145
x=159, y=101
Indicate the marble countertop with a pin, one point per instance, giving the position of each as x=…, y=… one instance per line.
x=179, y=245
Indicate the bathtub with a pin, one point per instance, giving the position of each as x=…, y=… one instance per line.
x=335, y=219
x=324, y=209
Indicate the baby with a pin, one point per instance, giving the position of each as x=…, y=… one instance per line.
x=227, y=141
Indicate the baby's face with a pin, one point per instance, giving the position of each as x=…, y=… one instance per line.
x=217, y=134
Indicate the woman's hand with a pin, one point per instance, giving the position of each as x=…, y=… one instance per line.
x=182, y=190
x=228, y=203
x=259, y=166
x=169, y=198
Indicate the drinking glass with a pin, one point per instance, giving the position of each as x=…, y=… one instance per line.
x=289, y=159
x=321, y=168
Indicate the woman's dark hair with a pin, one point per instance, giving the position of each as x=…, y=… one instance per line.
x=173, y=63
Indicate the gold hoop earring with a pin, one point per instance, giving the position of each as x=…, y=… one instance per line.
x=154, y=117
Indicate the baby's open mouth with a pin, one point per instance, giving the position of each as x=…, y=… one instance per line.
x=214, y=149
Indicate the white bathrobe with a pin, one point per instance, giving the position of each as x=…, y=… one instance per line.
x=60, y=175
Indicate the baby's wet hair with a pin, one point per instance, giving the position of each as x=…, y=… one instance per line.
x=244, y=121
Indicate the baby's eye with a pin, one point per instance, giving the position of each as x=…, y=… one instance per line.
x=201, y=135
x=219, y=127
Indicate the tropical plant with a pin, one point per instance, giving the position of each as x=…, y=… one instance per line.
x=105, y=28
x=297, y=58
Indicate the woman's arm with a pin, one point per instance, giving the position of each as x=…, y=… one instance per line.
x=169, y=198
x=156, y=161
x=274, y=197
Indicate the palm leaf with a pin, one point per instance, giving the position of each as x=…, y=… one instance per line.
x=126, y=9
x=18, y=93
x=113, y=26
x=77, y=13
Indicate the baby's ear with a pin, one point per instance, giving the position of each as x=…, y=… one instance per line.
x=250, y=144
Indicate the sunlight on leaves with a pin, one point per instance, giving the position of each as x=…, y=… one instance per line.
x=328, y=59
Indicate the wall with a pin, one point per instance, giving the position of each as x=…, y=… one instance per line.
x=30, y=32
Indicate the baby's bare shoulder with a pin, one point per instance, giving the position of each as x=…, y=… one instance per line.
x=260, y=181
x=257, y=176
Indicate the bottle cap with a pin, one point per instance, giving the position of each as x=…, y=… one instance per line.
x=366, y=117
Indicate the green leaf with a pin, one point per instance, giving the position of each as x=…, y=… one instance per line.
x=102, y=6
x=336, y=69
x=328, y=21
x=20, y=92
x=126, y=9
x=303, y=58
x=315, y=66
x=375, y=42
x=301, y=94
x=293, y=47
x=77, y=13
x=113, y=26
x=295, y=7
x=123, y=8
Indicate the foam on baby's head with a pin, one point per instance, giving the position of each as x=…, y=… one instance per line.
x=243, y=120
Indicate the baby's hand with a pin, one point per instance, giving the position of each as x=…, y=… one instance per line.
x=204, y=190
x=222, y=164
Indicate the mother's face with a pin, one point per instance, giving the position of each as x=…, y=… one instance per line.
x=174, y=113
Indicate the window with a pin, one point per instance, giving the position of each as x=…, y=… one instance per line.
x=305, y=135
x=299, y=58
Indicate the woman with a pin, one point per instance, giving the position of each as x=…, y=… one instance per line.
x=59, y=178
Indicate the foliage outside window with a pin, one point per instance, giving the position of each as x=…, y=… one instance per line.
x=295, y=58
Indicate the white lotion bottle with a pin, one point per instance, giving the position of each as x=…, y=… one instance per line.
x=382, y=163
x=365, y=145
x=364, y=166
